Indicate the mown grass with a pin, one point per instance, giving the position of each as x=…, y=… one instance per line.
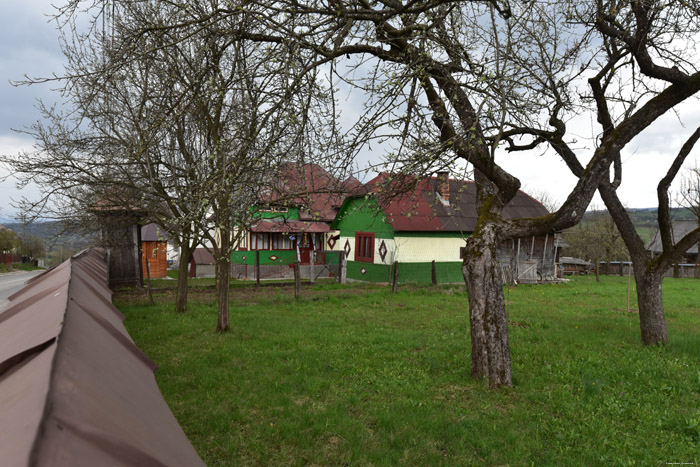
x=342, y=376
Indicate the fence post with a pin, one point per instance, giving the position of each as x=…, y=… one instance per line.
x=297, y=280
x=434, y=274
x=343, y=273
x=312, y=256
x=257, y=268
x=395, y=279
x=148, y=280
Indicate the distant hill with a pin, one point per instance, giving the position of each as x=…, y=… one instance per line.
x=645, y=219
x=52, y=233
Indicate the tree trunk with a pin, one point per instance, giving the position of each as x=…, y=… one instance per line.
x=223, y=274
x=487, y=310
x=652, y=320
x=182, y=276
x=648, y=277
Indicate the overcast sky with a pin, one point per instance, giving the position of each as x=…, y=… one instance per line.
x=29, y=45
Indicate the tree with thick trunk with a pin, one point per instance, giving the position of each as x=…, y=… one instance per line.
x=448, y=83
x=649, y=271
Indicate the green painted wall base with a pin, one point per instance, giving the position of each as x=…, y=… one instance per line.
x=280, y=257
x=447, y=272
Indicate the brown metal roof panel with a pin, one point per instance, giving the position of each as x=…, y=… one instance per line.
x=80, y=288
x=29, y=326
x=88, y=396
x=22, y=396
x=117, y=413
x=58, y=275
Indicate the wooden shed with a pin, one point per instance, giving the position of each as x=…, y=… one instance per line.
x=154, y=251
x=202, y=263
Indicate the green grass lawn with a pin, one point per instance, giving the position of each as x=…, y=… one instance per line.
x=342, y=376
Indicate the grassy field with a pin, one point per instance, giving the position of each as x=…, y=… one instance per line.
x=343, y=376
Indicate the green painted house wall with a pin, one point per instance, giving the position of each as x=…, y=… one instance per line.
x=362, y=215
x=413, y=250
x=291, y=214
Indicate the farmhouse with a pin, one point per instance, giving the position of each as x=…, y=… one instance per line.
x=421, y=222
x=293, y=221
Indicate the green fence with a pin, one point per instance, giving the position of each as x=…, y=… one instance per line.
x=422, y=273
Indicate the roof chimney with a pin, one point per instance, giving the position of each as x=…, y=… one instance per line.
x=443, y=179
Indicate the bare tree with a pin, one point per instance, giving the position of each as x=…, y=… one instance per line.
x=645, y=60
x=453, y=81
x=187, y=121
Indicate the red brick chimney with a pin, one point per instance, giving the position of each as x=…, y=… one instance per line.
x=443, y=179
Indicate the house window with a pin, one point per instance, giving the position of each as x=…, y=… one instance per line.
x=364, y=247
x=280, y=241
x=260, y=241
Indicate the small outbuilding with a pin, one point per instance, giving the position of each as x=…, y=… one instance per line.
x=154, y=251
x=202, y=263
x=689, y=264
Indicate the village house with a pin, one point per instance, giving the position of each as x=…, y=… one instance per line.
x=293, y=221
x=423, y=225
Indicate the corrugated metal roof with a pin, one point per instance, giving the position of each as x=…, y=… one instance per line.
x=202, y=256
x=680, y=229
x=153, y=233
x=311, y=186
x=74, y=388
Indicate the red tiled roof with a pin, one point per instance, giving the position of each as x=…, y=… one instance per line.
x=311, y=186
x=412, y=204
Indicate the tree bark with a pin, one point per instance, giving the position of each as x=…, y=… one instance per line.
x=647, y=276
x=182, y=276
x=652, y=319
x=223, y=275
x=487, y=310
